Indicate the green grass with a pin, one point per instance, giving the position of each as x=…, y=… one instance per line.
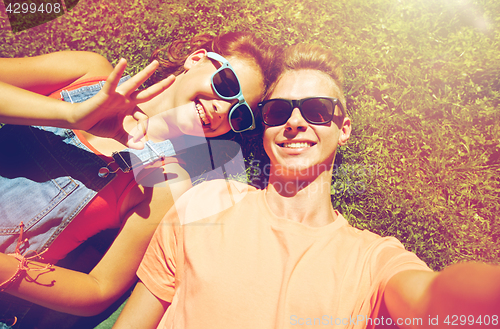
x=422, y=89
x=109, y=322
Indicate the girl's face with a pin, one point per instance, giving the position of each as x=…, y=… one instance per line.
x=203, y=112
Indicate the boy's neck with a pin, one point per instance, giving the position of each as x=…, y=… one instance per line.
x=304, y=201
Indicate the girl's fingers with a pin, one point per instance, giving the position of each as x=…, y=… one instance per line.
x=139, y=115
x=146, y=94
x=114, y=77
x=137, y=80
x=137, y=136
x=139, y=132
x=135, y=145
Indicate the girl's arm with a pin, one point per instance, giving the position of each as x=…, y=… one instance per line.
x=22, y=107
x=23, y=80
x=47, y=73
x=89, y=294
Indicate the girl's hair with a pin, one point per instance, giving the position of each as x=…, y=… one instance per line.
x=305, y=56
x=240, y=44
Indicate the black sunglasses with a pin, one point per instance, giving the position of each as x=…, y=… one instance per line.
x=315, y=110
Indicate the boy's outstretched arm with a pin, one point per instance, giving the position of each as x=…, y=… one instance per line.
x=459, y=293
x=142, y=311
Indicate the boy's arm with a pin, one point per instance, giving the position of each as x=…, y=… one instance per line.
x=143, y=310
x=466, y=289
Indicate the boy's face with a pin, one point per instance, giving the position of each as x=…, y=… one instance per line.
x=298, y=148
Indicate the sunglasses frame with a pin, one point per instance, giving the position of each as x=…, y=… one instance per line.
x=241, y=100
x=297, y=103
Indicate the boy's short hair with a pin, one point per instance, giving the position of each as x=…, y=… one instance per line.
x=305, y=56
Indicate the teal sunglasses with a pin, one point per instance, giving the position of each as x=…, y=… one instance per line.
x=227, y=86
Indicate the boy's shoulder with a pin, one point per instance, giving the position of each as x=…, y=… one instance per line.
x=367, y=240
x=209, y=198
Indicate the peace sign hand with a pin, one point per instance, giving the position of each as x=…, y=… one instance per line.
x=103, y=115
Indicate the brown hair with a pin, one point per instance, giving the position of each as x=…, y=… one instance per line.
x=239, y=44
x=305, y=56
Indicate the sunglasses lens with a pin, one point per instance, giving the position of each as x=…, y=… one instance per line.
x=318, y=110
x=276, y=112
x=241, y=118
x=226, y=83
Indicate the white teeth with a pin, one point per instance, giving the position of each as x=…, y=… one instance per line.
x=296, y=145
x=201, y=114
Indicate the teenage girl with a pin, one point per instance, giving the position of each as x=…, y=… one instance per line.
x=92, y=186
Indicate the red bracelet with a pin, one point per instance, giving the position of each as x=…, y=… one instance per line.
x=23, y=262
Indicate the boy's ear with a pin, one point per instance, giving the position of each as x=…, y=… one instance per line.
x=194, y=58
x=345, y=131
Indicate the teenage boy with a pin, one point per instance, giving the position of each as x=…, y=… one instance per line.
x=236, y=257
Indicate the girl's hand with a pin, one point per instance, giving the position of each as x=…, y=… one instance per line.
x=168, y=124
x=103, y=115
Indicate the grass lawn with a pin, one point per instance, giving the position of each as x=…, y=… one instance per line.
x=422, y=89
